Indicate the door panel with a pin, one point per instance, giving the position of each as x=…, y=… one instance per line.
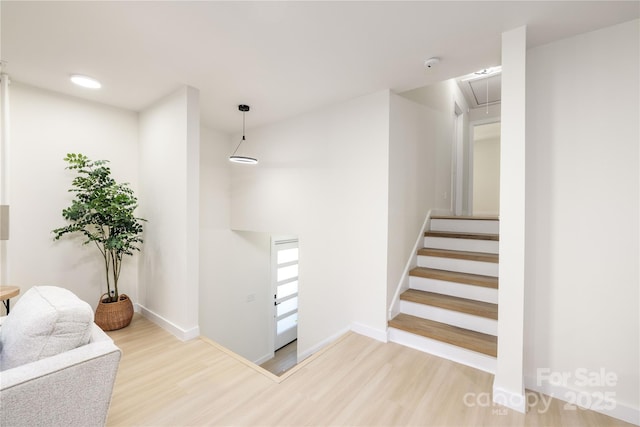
x=285, y=294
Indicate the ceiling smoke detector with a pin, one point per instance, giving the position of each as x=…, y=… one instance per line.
x=431, y=62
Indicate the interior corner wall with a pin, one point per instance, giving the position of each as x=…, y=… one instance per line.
x=583, y=191
x=235, y=301
x=323, y=177
x=169, y=144
x=45, y=126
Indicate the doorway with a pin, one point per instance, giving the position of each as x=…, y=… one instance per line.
x=284, y=285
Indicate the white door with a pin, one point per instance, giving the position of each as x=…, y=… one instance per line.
x=285, y=291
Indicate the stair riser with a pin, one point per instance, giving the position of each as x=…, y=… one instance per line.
x=444, y=350
x=468, y=226
x=478, y=293
x=459, y=265
x=454, y=318
x=469, y=245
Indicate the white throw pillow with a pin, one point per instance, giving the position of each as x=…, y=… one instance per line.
x=45, y=321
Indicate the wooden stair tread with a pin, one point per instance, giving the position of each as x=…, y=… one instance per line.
x=471, y=256
x=462, y=305
x=471, y=340
x=458, y=235
x=478, y=218
x=454, y=276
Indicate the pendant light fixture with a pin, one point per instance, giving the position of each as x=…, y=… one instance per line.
x=242, y=159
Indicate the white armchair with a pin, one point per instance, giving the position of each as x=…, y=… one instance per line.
x=70, y=388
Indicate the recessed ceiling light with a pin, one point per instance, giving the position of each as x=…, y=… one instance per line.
x=85, y=81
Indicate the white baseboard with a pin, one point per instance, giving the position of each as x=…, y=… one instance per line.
x=587, y=400
x=167, y=325
x=368, y=331
x=262, y=359
x=319, y=346
x=509, y=399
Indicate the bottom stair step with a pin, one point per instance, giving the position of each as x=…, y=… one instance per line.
x=472, y=340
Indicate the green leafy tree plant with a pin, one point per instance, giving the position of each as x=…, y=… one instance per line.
x=102, y=211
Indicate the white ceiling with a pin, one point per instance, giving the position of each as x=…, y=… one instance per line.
x=282, y=58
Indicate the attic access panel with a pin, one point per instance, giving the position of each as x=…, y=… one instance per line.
x=486, y=90
x=481, y=91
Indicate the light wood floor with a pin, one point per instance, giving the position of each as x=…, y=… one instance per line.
x=284, y=359
x=358, y=381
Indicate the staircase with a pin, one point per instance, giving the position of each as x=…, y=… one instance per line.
x=451, y=306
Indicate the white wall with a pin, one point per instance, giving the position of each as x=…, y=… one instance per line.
x=45, y=127
x=420, y=140
x=582, y=211
x=483, y=113
x=508, y=386
x=234, y=266
x=486, y=176
x=169, y=144
x=441, y=98
x=412, y=167
x=323, y=176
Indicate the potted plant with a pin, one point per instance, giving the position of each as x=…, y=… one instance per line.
x=102, y=211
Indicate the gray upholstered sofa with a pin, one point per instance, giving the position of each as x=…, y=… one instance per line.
x=57, y=367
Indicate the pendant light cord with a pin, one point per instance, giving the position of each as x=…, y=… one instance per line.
x=238, y=146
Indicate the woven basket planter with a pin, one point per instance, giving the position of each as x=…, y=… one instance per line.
x=114, y=315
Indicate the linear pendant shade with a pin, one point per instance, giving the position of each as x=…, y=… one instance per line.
x=242, y=159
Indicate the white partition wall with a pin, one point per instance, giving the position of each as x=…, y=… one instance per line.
x=508, y=387
x=169, y=142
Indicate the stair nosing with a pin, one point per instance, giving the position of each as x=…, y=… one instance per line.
x=463, y=235
x=448, y=302
x=454, y=335
x=465, y=255
x=472, y=218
